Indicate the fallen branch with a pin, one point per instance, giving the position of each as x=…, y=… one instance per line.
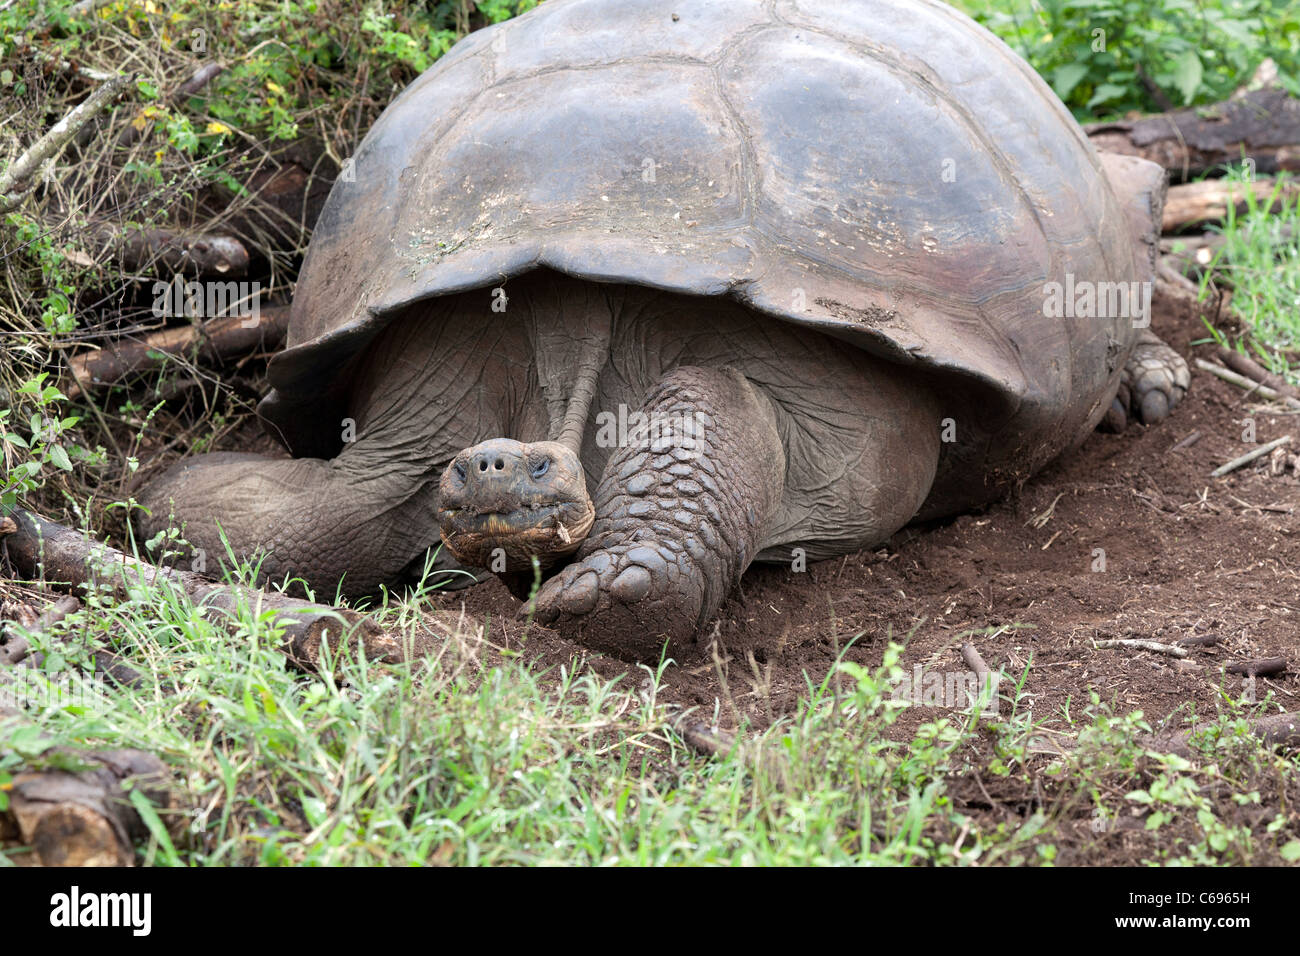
x=1250, y=456
x=1263, y=668
x=194, y=84
x=1187, y=442
x=706, y=740
x=1263, y=125
x=17, y=180
x=1153, y=646
x=1191, y=255
x=14, y=648
x=985, y=677
x=213, y=341
x=1172, y=284
x=1245, y=365
x=1211, y=198
x=84, y=817
x=198, y=80
x=973, y=660
x=1241, y=381
x=41, y=549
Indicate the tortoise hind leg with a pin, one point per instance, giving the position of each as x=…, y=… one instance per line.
x=1153, y=382
x=1155, y=378
x=680, y=514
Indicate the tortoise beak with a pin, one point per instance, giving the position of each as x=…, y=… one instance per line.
x=501, y=503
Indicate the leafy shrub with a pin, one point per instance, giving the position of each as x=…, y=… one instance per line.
x=1111, y=56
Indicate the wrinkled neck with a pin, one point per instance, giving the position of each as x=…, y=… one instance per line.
x=592, y=355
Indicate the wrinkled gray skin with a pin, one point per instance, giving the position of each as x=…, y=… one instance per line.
x=802, y=443
x=856, y=207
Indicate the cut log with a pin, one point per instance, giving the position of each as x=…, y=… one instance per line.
x=213, y=341
x=1263, y=125
x=84, y=817
x=1210, y=198
x=42, y=549
x=167, y=252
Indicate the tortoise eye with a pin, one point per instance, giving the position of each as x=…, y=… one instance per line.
x=541, y=468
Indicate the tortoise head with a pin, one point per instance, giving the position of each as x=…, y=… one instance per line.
x=501, y=503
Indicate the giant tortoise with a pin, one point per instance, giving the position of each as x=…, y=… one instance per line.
x=623, y=295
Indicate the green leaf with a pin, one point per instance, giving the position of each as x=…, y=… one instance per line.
x=1066, y=78
x=1239, y=32
x=1105, y=92
x=156, y=828
x=59, y=457
x=1187, y=74
x=1291, y=851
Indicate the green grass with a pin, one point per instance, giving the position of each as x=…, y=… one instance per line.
x=474, y=755
x=1260, y=262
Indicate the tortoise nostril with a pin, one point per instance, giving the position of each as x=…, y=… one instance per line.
x=499, y=464
x=482, y=466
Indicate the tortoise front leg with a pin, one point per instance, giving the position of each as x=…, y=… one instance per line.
x=680, y=513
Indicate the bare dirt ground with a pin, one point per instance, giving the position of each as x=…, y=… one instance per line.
x=1184, y=555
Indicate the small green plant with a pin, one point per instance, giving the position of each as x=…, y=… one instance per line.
x=41, y=440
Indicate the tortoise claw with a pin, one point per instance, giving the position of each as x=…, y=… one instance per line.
x=628, y=598
x=1154, y=381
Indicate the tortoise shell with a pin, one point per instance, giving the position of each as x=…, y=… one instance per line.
x=884, y=171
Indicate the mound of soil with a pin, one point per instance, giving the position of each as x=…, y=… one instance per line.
x=1126, y=537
